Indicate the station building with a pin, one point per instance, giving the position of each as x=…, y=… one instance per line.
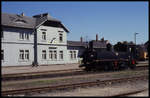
x=40, y=39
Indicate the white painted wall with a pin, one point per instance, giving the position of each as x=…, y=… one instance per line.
x=53, y=32
x=11, y=44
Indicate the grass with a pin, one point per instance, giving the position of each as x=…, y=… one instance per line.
x=129, y=73
x=37, y=83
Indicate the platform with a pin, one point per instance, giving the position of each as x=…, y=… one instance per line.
x=26, y=69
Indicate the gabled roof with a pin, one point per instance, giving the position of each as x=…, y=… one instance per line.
x=99, y=44
x=41, y=18
x=14, y=20
x=77, y=43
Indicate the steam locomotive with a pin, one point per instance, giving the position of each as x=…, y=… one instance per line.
x=121, y=56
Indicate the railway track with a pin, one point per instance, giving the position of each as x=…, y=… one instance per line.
x=30, y=91
x=51, y=74
x=142, y=67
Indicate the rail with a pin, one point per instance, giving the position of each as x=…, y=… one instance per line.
x=45, y=74
x=67, y=86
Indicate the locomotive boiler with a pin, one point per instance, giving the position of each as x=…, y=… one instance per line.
x=116, y=58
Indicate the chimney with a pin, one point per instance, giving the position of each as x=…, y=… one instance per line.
x=22, y=14
x=102, y=39
x=81, y=39
x=96, y=37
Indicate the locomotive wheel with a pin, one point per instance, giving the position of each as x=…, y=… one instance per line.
x=106, y=68
x=132, y=66
x=87, y=69
x=123, y=66
x=111, y=66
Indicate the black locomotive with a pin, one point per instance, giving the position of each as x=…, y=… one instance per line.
x=121, y=56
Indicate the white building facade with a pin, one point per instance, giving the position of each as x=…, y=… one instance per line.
x=16, y=47
x=40, y=39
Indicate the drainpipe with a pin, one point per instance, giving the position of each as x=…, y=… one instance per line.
x=35, y=47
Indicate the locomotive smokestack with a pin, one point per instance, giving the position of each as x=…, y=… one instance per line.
x=81, y=39
x=96, y=37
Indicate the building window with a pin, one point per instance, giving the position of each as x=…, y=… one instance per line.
x=27, y=54
x=55, y=55
x=60, y=37
x=61, y=55
x=24, y=36
x=71, y=56
x=43, y=35
x=21, y=55
x=27, y=36
x=2, y=34
x=21, y=35
x=74, y=54
x=43, y=54
x=50, y=55
x=24, y=54
x=2, y=54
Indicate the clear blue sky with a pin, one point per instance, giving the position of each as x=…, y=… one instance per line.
x=115, y=21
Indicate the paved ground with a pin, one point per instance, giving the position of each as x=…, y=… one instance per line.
x=24, y=69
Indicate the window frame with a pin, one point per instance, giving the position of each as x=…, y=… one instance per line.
x=21, y=54
x=26, y=36
x=44, y=36
x=71, y=55
x=2, y=55
x=61, y=57
x=21, y=36
x=55, y=55
x=74, y=54
x=60, y=37
x=50, y=54
x=2, y=34
x=26, y=54
x=43, y=54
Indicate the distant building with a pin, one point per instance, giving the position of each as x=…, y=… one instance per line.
x=40, y=39
x=147, y=46
x=99, y=45
x=77, y=45
x=142, y=52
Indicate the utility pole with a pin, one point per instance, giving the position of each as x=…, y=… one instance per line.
x=135, y=37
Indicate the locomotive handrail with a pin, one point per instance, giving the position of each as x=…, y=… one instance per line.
x=111, y=60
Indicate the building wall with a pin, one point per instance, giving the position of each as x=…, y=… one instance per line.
x=11, y=35
x=47, y=48
x=79, y=49
x=51, y=32
x=12, y=44
x=11, y=54
x=55, y=45
x=75, y=58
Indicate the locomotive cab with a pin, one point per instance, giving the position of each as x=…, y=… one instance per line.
x=127, y=55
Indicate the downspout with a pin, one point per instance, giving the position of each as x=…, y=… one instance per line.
x=35, y=44
x=35, y=47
